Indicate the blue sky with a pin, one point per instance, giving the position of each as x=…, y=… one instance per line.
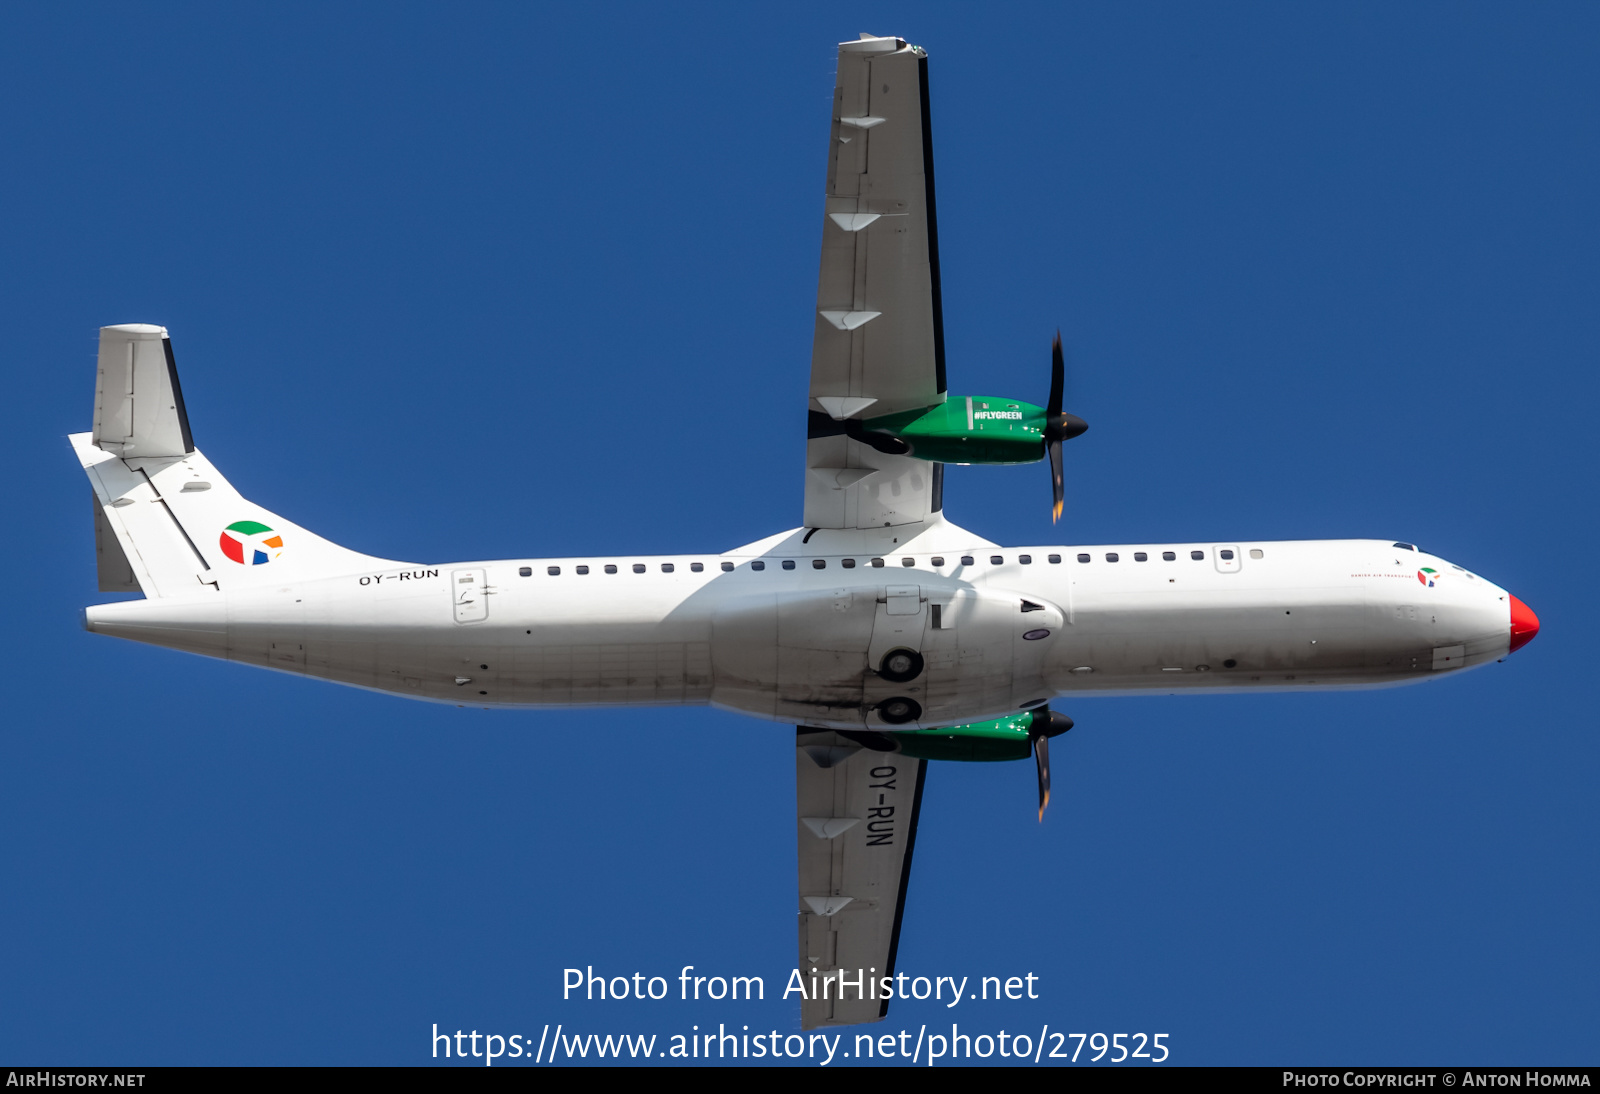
x=516, y=280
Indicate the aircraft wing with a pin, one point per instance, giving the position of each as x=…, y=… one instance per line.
x=879, y=342
x=857, y=827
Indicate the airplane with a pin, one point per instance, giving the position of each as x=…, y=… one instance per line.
x=887, y=635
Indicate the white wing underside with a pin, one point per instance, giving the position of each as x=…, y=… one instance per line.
x=857, y=826
x=878, y=346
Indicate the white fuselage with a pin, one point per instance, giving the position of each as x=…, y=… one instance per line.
x=786, y=634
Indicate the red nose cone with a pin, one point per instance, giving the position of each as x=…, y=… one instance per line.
x=1524, y=624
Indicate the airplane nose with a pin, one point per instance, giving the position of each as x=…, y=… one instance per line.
x=1524, y=624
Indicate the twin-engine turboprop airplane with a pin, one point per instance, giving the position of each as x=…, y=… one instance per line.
x=888, y=635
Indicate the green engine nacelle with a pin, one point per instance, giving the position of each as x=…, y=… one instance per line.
x=969, y=429
x=1005, y=738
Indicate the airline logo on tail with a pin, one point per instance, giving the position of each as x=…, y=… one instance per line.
x=250, y=542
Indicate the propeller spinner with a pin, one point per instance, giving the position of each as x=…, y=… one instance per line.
x=1058, y=427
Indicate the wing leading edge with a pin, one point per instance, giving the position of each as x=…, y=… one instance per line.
x=879, y=342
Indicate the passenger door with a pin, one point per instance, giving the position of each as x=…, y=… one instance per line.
x=470, y=590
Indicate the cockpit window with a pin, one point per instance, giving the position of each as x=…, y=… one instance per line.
x=1407, y=546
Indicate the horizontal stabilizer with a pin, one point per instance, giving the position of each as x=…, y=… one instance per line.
x=138, y=406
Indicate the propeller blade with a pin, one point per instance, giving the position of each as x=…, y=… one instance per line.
x=1047, y=723
x=1041, y=757
x=1058, y=426
x=1057, y=483
x=1058, y=379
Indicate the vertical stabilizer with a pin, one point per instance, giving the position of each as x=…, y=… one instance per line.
x=166, y=518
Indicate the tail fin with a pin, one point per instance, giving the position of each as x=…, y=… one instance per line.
x=165, y=518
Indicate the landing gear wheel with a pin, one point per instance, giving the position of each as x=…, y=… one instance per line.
x=899, y=710
x=900, y=665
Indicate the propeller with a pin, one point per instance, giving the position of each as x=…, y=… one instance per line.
x=1047, y=723
x=1058, y=427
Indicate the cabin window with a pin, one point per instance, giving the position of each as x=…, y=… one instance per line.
x=1026, y=560
x=1255, y=552
x=525, y=571
x=1169, y=556
x=758, y=565
x=937, y=560
x=696, y=567
x=819, y=564
x=878, y=562
x=997, y=560
x=848, y=563
x=583, y=569
x=553, y=571
x=667, y=567
x=638, y=567
x=967, y=560
x=727, y=567
x=1140, y=556
x=1083, y=558
x=1055, y=559
x=1198, y=556
x=1111, y=556
x=611, y=567
x=908, y=562
x=788, y=564
x=1227, y=556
